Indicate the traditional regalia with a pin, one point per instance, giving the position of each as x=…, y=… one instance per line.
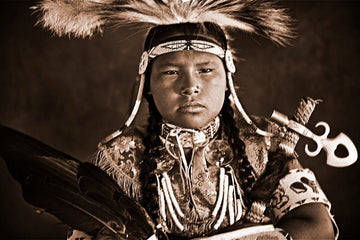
x=177, y=182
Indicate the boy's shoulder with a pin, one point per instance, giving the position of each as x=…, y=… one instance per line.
x=257, y=147
x=129, y=140
x=120, y=158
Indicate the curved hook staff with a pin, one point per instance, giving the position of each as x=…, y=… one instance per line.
x=322, y=142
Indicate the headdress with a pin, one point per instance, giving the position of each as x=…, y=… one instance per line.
x=177, y=25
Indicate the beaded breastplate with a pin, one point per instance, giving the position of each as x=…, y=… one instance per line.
x=197, y=188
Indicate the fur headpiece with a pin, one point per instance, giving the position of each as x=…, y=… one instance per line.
x=83, y=18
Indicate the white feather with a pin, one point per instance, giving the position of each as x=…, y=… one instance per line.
x=83, y=18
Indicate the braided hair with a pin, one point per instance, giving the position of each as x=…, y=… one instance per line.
x=241, y=165
x=261, y=188
x=152, y=143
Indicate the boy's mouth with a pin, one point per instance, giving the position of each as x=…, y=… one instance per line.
x=192, y=107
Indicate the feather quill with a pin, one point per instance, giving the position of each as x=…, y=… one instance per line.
x=83, y=18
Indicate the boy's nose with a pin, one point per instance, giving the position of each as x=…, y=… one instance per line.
x=190, y=83
x=190, y=91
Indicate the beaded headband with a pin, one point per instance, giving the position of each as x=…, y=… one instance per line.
x=182, y=45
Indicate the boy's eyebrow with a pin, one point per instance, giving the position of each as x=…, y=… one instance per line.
x=207, y=62
x=176, y=64
x=168, y=63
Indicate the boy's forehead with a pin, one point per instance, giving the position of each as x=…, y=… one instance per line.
x=186, y=56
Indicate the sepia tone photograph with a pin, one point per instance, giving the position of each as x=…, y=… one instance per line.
x=179, y=119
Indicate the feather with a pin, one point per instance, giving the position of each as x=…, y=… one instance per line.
x=64, y=17
x=83, y=18
x=49, y=180
x=98, y=186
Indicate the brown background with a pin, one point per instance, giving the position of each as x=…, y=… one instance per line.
x=71, y=93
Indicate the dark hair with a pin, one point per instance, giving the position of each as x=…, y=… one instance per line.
x=241, y=165
x=151, y=143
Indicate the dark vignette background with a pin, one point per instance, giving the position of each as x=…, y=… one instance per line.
x=71, y=93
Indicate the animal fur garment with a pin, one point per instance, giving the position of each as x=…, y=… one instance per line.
x=83, y=18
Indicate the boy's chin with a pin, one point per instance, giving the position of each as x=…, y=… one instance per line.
x=194, y=122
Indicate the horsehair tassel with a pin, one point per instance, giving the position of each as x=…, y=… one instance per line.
x=231, y=205
x=301, y=115
x=161, y=199
x=220, y=192
x=170, y=207
x=224, y=203
x=172, y=196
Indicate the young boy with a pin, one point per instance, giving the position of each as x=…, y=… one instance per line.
x=199, y=169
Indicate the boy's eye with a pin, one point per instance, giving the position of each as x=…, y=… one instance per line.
x=171, y=72
x=206, y=70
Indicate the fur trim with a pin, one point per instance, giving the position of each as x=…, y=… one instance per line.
x=83, y=18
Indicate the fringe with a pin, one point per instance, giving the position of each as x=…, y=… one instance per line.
x=130, y=187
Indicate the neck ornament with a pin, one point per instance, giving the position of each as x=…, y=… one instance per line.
x=190, y=138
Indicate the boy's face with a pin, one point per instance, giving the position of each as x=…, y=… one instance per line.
x=188, y=87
